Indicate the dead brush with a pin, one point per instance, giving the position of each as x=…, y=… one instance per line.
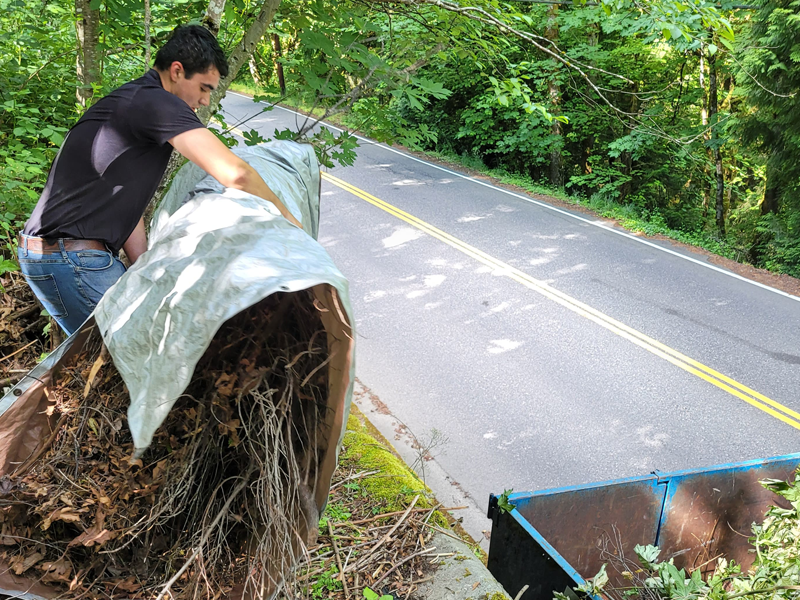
x=221, y=504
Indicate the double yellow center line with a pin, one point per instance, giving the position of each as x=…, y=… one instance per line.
x=723, y=382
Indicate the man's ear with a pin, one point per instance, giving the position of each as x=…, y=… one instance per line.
x=175, y=70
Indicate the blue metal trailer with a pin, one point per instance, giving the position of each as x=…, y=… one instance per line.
x=555, y=539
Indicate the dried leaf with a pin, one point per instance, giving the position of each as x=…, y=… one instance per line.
x=158, y=470
x=19, y=564
x=68, y=514
x=225, y=384
x=126, y=585
x=58, y=571
x=93, y=373
x=93, y=536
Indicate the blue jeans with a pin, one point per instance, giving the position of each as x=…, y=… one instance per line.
x=70, y=284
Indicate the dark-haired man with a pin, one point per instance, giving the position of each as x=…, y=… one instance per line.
x=109, y=167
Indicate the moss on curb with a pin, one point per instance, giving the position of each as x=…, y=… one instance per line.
x=395, y=484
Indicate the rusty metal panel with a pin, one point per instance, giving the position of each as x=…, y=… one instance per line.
x=585, y=522
x=709, y=513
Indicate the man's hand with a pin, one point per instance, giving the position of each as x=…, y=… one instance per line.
x=205, y=150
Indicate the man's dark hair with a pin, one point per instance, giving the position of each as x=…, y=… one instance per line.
x=195, y=48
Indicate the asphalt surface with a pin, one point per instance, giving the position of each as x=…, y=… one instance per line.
x=456, y=334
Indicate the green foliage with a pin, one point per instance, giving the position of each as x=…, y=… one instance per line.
x=326, y=583
x=487, y=90
x=595, y=585
x=503, y=503
x=335, y=513
x=370, y=595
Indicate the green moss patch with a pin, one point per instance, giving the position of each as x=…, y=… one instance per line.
x=395, y=485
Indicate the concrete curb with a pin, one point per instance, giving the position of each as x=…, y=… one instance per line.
x=459, y=577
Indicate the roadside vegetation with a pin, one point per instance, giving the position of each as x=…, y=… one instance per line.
x=683, y=125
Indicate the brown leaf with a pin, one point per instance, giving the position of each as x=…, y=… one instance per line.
x=58, y=571
x=96, y=534
x=158, y=470
x=93, y=373
x=225, y=384
x=93, y=536
x=21, y=564
x=68, y=514
x=126, y=585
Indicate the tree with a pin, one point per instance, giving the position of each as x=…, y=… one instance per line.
x=769, y=77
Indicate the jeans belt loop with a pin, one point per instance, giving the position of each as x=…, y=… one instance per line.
x=63, y=249
x=24, y=245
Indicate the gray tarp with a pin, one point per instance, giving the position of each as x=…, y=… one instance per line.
x=212, y=253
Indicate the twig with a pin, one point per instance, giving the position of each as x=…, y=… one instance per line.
x=764, y=591
x=342, y=576
x=391, y=531
x=390, y=514
x=402, y=562
x=522, y=591
x=18, y=351
x=447, y=533
x=358, y=475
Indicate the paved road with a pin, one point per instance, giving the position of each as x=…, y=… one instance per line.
x=549, y=349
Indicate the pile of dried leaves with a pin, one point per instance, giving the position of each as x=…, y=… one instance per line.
x=22, y=324
x=221, y=503
x=389, y=553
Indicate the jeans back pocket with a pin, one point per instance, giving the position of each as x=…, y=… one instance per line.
x=46, y=290
x=94, y=260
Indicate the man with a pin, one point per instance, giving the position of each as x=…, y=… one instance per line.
x=109, y=167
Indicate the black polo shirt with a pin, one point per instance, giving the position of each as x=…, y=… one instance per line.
x=111, y=163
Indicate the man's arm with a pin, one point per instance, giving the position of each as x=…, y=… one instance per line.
x=136, y=244
x=205, y=150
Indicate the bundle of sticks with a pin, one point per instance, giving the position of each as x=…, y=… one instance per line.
x=220, y=505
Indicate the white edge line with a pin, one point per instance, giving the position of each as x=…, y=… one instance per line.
x=548, y=206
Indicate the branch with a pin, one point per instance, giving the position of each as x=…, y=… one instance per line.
x=37, y=71
x=240, y=55
x=482, y=16
x=764, y=591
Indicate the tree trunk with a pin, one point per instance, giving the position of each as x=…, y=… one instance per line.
x=771, y=202
x=704, y=122
x=213, y=17
x=240, y=55
x=713, y=107
x=554, y=91
x=147, y=39
x=276, y=46
x=592, y=39
x=87, y=30
x=626, y=157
